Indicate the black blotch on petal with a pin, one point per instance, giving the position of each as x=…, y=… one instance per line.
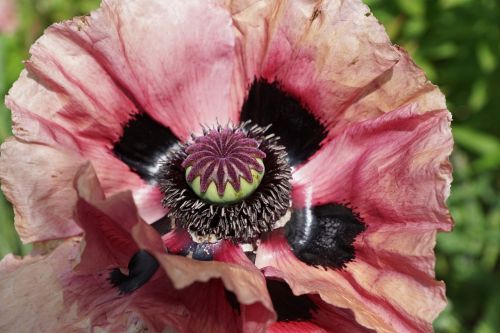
x=143, y=144
x=289, y=307
x=232, y=300
x=299, y=131
x=324, y=235
x=141, y=268
x=251, y=255
x=162, y=226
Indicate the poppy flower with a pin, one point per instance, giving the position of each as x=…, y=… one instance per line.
x=225, y=166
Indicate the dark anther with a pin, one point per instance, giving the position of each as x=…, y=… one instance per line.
x=289, y=307
x=232, y=300
x=203, y=251
x=143, y=144
x=324, y=235
x=141, y=268
x=299, y=131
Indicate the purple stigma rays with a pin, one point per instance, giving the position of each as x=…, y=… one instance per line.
x=223, y=155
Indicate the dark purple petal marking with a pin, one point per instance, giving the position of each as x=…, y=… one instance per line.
x=144, y=143
x=141, y=268
x=299, y=131
x=162, y=225
x=232, y=300
x=210, y=156
x=289, y=307
x=324, y=235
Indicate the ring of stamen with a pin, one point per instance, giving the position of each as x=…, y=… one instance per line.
x=242, y=220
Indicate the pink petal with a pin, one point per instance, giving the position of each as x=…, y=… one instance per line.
x=113, y=232
x=65, y=302
x=37, y=179
x=296, y=327
x=125, y=51
x=326, y=54
x=28, y=307
x=237, y=274
x=115, y=177
x=109, y=225
x=405, y=83
x=247, y=284
x=326, y=319
x=384, y=299
x=392, y=170
x=229, y=252
x=240, y=277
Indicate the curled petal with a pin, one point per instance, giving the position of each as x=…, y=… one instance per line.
x=108, y=225
x=114, y=231
x=245, y=283
x=248, y=286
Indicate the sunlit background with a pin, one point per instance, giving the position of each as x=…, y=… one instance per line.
x=457, y=43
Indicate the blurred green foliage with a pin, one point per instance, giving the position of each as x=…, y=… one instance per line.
x=457, y=43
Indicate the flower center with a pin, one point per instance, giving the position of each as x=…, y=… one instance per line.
x=224, y=166
x=230, y=183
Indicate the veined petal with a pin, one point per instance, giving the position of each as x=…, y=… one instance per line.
x=404, y=84
x=324, y=319
x=382, y=299
x=26, y=310
x=67, y=302
x=296, y=327
x=394, y=172
x=37, y=180
x=333, y=57
x=326, y=54
x=127, y=52
x=391, y=170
